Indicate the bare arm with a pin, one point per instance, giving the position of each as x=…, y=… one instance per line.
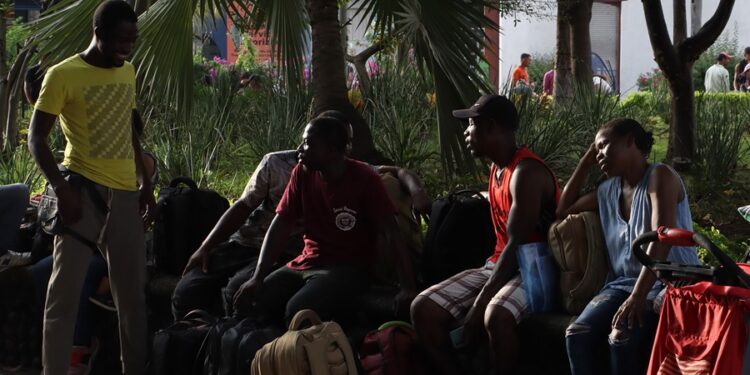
x=39, y=129
x=273, y=245
x=528, y=189
x=409, y=180
x=571, y=200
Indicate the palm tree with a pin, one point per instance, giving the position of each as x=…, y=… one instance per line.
x=445, y=37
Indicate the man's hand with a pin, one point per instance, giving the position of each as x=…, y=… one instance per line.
x=199, y=257
x=631, y=311
x=474, y=322
x=68, y=203
x=246, y=294
x=403, y=301
x=147, y=205
x=422, y=203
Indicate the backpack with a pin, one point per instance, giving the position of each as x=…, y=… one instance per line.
x=322, y=349
x=390, y=350
x=409, y=228
x=178, y=349
x=185, y=216
x=460, y=236
x=231, y=346
x=577, y=243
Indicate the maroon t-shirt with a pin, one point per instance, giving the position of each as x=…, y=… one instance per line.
x=340, y=219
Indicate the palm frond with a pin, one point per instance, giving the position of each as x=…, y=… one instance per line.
x=63, y=30
x=163, y=56
x=447, y=39
x=288, y=27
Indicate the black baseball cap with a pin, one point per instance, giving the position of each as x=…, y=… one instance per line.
x=495, y=107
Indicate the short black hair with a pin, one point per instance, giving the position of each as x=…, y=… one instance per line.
x=110, y=13
x=747, y=50
x=644, y=140
x=524, y=55
x=338, y=115
x=332, y=130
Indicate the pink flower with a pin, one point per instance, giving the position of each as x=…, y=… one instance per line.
x=212, y=73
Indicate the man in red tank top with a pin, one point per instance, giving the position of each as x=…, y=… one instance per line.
x=491, y=300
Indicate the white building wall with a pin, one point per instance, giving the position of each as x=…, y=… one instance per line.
x=534, y=36
x=537, y=36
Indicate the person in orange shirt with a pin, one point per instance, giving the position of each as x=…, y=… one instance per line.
x=520, y=73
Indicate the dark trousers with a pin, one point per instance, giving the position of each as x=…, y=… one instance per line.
x=587, y=338
x=325, y=290
x=229, y=266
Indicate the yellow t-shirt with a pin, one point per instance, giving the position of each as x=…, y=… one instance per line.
x=95, y=106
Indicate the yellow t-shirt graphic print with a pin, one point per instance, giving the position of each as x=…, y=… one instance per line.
x=95, y=108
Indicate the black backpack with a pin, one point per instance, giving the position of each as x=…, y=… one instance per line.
x=231, y=346
x=460, y=236
x=185, y=216
x=179, y=348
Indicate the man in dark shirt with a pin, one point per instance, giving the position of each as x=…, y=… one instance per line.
x=345, y=210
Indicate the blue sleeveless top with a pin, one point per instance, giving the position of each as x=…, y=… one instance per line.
x=620, y=234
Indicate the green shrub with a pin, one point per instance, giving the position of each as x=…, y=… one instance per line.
x=402, y=117
x=721, y=124
x=541, y=63
x=734, y=250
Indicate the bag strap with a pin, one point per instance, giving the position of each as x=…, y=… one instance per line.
x=183, y=180
x=303, y=316
x=395, y=323
x=467, y=192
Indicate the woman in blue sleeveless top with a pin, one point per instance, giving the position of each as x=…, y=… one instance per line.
x=636, y=197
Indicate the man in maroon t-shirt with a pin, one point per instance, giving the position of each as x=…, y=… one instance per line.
x=345, y=210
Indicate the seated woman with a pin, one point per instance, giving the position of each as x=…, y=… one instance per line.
x=636, y=197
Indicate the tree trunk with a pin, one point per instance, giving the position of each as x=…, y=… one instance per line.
x=696, y=19
x=329, y=76
x=563, y=87
x=676, y=61
x=679, y=32
x=581, y=44
x=681, y=146
x=3, y=43
x=10, y=95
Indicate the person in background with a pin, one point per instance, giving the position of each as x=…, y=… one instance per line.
x=601, y=85
x=520, y=76
x=717, y=76
x=548, y=83
x=739, y=81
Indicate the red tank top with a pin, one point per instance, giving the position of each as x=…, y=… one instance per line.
x=501, y=201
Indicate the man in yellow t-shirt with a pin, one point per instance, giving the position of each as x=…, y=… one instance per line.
x=100, y=202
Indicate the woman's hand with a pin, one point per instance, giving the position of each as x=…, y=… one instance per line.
x=631, y=311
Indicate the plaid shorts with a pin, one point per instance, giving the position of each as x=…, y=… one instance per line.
x=457, y=294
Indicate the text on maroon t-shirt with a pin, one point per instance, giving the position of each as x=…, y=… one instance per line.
x=340, y=218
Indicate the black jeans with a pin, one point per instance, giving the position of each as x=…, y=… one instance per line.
x=229, y=266
x=329, y=291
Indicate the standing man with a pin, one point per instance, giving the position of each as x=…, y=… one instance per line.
x=520, y=73
x=99, y=201
x=739, y=72
x=490, y=301
x=717, y=76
